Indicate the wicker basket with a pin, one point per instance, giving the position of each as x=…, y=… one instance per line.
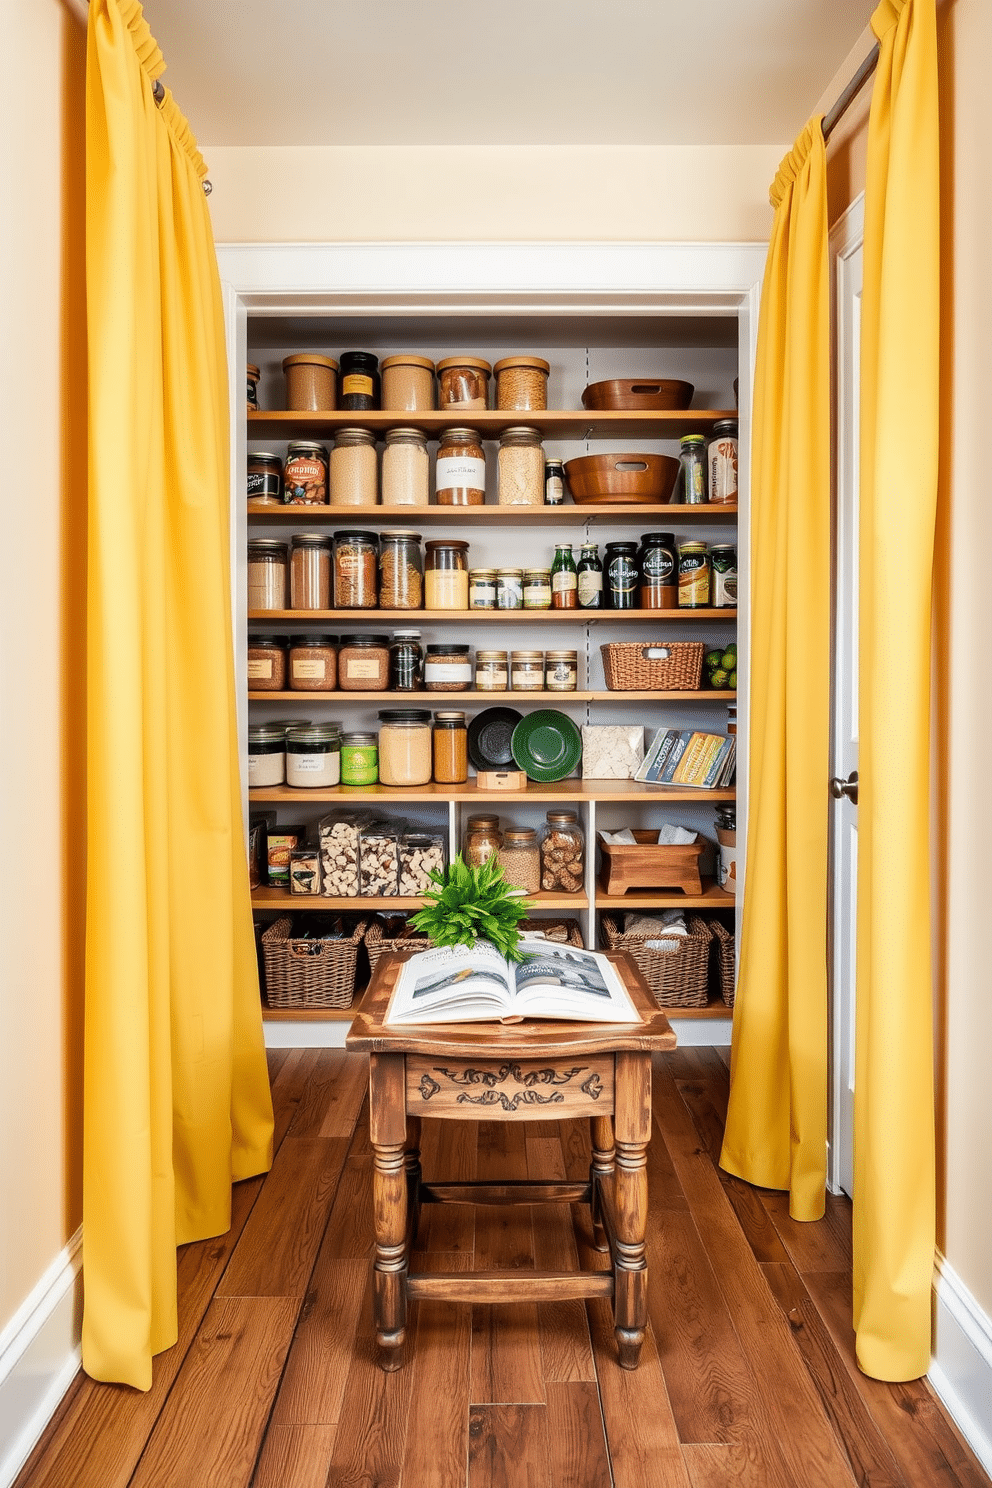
x=676, y=978
x=309, y=973
x=653, y=666
x=377, y=944
x=723, y=959
x=562, y=932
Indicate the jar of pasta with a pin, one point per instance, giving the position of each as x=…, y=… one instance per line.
x=463, y=382
x=401, y=570
x=446, y=574
x=354, y=471
x=460, y=472
x=268, y=566
x=482, y=839
x=522, y=382
x=355, y=569
x=310, y=572
x=404, y=746
x=406, y=469
x=521, y=467
x=408, y=383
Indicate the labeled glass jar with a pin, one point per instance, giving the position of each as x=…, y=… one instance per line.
x=482, y=589
x=359, y=380
x=310, y=572
x=266, y=663
x=554, y=482
x=401, y=570
x=482, y=839
x=509, y=588
x=620, y=576
x=304, y=481
x=537, y=588
x=354, y=468
x=359, y=759
x=264, y=479
x=562, y=853
x=404, y=746
x=450, y=745
x=561, y=671
x=463, y=382
x=722, y=457
x=313, y=756
x=564, y=579
x=355, y=566
x=527, y=671
x=694, y=576
x=254, y=378
x=406, y=469
x=491, y=671
x=522, y=382
x=657, y=560
x=520, y=473
x=460, y=471
x=723, y=561
x=408, y=383
x=692, y=454
x=406, y=661
x=520, y=859
x=447, y=668
x=446, y=574
x=313, y=663
x=266, y=756
x=363, y=663
x=311, y=382
x=268, y=567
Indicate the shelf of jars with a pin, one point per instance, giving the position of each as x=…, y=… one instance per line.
x=558, y=792
x=353, y=617
x=281, y=901
x=489, y=695
x=554, y=423
x=492, y=515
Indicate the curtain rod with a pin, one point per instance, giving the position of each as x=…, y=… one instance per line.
x=850, y=93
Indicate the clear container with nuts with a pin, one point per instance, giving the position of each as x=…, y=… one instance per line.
x=355, y=570
x=378, y=859
x=311, y=382
x=268, y=569
x=404, y=746
x=522, y=382
x=310, y=572
x=463, y=382
x=420, y=855
x=338, y=838
x=266, y=663
x=401, y=570
x=520, y=860
x=313, y=663
x=354, y=469
x=520, y=475
x=408, y=383
x=482, y=839
x=406, y=469
x=460, y=471
x=562, y=853
x=527, y=671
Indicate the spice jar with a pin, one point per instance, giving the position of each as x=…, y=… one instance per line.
x=313, y=756
x=355, y=570
x=359, y=380
x=313, y=663
x=404, y=746
x=527, y=671
x=509, y=588
x=264, y=479
x=446, y=574
x=267, y=569
x=354, y=470
x=266, y=756
x=266, y=663
x=254, y=378
x=562, y=853
x=450, y=745
x=554, y=482
x=491, y=672
x=363, y=663
x=482, y=589
x=694, y=576
x=723, y=558
x=620, y=576
x=460, y=471
x=447, y=668
x=520, y=474
x=482, y=839
x=537, y=588
x=406, y=661
x=722, y=457
x=520, y=859
x=311, y=382
x=463, y=382
x=692, y=453
x=408, y=383
x=522, y=382
x=305, y=476
x=310, y=572
x=401, y=570
x=359, y=759
x=561, y=671
x=659, y=582
x=406, y=469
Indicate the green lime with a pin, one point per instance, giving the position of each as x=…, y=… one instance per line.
x=728, y=660
x=718, y=678
x=713, y=658
x=731, y=648
x=732, y=679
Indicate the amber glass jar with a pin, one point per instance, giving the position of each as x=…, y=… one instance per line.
x=460, y=473
x=450, y=744
x=482, y=839
x=446, y=574
x=463, y=382
x=408, y=384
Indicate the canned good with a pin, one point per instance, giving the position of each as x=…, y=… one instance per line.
x=359, y=759
x=724, y=559
x=305, y=476
x=694, y=576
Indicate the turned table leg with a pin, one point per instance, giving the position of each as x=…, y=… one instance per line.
x=630, y=1274
x=601, y=1169
x=389, y=1197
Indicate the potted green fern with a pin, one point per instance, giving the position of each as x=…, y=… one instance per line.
x=473, y=904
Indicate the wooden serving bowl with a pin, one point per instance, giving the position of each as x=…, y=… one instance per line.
x=622, y=478
x=633, y=394
x=650, y=865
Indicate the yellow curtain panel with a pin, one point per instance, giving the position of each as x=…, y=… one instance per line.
x=777, y=1122
x=177, y=1099
x=894, y=1181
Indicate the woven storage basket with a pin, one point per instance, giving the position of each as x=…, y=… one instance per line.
x=653, y=666
x=562, y=932
x=378, y=944
x=723, y=958
x=309, y=973
x=676, y=978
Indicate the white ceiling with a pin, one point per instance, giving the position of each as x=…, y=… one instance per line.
x=502, y=72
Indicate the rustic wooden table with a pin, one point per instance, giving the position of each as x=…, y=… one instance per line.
x=532, y=1071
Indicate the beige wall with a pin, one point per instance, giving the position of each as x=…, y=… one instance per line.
x=40, y=636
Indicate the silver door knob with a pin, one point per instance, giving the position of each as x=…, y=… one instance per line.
x=849, y=787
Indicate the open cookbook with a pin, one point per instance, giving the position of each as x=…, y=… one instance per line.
x=462, y=984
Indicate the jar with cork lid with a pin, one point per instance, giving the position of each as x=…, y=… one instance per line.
x=408, y=383
x=311, y=382
x=522, y=382
x=482, y=839
x=354, y=469
x=463, y=382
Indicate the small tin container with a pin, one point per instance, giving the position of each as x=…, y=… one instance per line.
x=359, y=759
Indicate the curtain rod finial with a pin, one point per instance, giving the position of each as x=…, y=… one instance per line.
x=207, y=187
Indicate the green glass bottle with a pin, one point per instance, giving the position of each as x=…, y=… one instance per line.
x=564, y=580
x=590, y=578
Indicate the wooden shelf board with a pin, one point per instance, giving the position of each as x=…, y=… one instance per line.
x=487, y=617
x=281, y=901
x=712, y=897
x=561, y=790
x=431, y=699
x=492, y=515
x=555, y=423
x=711, y=1010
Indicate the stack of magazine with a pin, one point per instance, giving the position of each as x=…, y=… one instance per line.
x=687, y=758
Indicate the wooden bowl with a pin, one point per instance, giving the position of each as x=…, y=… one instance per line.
x=630, y=394
x=622, y=478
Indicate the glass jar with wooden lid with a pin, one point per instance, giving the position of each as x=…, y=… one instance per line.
x=463, y=382
x=520, y=467
x=408, y=383
x=460, y=472
x=354, y=469
x=482, y=839
x=522, y=382
x=311, y=382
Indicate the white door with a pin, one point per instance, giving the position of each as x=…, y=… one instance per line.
x=846, y=249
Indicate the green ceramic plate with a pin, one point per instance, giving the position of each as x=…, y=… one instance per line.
x=546, y=745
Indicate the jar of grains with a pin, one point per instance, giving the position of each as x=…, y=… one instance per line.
x=450, y=745
x=313, y=663
x=527, y=671
x=522, y=382
x=267, y=570
x=304, y=480
x=406, y=469
x=491, y=673
x=313, y=756
x=311, y=382
x=482, y=839
x=264, y=479
x=359, y=759
x=266, y=663
x=406, y=661
x=401, y=570
x=460, y=472
x=359, y=380
x=562, y=853
x=354, y=471
x=404, y=746
x=266, y=756
x=561, y=671
x=408, y=383
x=520, y=859
x=482, y=589
x=509, y=588
x=310, y=572
x=447, y=668
x=355, y=570
x=446, y=574
x=363, y=663
x=537, y=588
x=463, y=382
x=520, y=478
x=254, y=378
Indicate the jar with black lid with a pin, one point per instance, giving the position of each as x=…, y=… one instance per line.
x=447, y=668
x=658, y=562
x=313, y=663
x=363, y=663
x=620, y=575
x=406, y=661
x=313, y=756
x=359, y=380
x=264, y=478
x=266, y=663
x=266, y=756
x=355, y=569
x=405, y=756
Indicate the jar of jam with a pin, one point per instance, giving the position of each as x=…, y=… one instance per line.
x=359, y=380
x=460, y=472
x=463, y=382
x=537, y=588
x=355, y=569
x=491, y=671
x=406, y=661
x=313, y=663
x=401, y=570
x=620, y=576
x=268, y=570
x=658, y=562
x=264, y=479
x=254, y=378
x=482, y=589
x=305, y=476
x=482, y=839
x=446, y=574
x=450, y=748
x=266, y=663
x=509, y=588
x=408, y=383
x=694, y=576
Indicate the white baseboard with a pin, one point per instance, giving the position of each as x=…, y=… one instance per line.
x=287, y=1034
x=961, y=1368
x=39, y=1357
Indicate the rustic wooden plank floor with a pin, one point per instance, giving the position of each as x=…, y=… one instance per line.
x=747, y=1375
